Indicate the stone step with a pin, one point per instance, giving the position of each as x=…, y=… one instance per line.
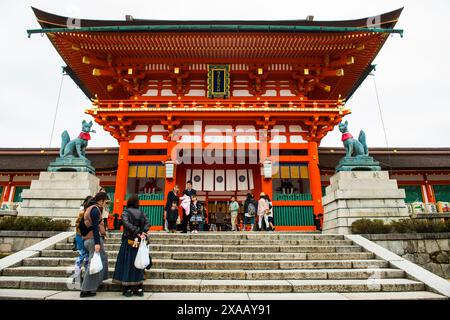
x=115, y=243
x=198, y=285
x=208, y=246
x=155, y=249
x=224, y=274
x=228, y=264
x=240, y=242
x=229, y=255
x=237, y=236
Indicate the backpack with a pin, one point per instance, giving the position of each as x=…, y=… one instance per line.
x=84, y=230
x=251, y=209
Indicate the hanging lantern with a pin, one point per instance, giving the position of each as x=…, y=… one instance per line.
x=267, y=169
x=170, y=169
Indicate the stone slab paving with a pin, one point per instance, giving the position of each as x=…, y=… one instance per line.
x=15, y=294
x=198, y=296
x=75, y=295
x=298, y=296
x=409, y=295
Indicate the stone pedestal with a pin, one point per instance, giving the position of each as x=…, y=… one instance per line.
x=361, y=195
x=58, y=195
x=358, y=163
x=71, y=164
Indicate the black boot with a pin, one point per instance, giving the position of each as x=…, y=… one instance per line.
x=139, y=291
x=127, y=292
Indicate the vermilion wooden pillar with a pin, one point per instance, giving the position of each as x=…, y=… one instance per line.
x=170, y=183
x=121, y=177
x=314, y=177
x=429, y=190
x=8, y=187
x=266, y=184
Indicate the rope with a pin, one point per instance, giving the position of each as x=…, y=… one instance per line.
x=56, y=109
x=382, y=123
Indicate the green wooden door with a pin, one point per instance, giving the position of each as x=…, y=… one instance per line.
x=293, y=215
x=442, y=192
x=18, y=193
x=110, y=192
x=413, y=193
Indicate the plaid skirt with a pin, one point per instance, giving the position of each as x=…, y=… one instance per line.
x=196, y=218
x=125, y=273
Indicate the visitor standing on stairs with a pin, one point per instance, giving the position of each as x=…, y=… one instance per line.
x=250, y=209
x=172, y=197
x=196, y=214
x=94, y=242
x=188, y=192
x=268, y=217
x=234, y=209
x=135, y=229
x=105, y=212
x=83, y=256
x=263, y=208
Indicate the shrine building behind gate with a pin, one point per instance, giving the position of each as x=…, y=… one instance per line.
x=234, y=106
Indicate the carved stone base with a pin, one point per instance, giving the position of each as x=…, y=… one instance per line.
x=358, y=163
x=361, y=195
x=71, y=164
x=58, y=195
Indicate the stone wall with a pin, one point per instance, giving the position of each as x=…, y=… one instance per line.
x=428, y=250
x=14, y=241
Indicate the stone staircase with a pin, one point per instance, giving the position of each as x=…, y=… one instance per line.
x=251, y=263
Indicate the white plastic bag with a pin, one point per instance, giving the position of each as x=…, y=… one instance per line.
x=95, y=265
x=142, y=258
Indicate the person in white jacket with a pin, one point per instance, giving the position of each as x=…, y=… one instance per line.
x=263, y=207
x=268, y=217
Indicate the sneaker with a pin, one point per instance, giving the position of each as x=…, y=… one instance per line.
x=77, y=272
x=86, y=294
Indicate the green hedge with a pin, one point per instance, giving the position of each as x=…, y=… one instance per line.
x=33, y=224
x=367, y=226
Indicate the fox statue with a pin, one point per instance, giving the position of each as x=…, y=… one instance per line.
x=353, y=147
x=76, y=147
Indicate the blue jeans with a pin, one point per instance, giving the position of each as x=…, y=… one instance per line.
x=83, y=256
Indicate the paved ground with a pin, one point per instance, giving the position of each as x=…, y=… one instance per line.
x=75, y=295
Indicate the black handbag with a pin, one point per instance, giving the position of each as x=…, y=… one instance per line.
x=150, y=264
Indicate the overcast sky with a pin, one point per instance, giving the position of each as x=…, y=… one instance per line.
x=412, y=72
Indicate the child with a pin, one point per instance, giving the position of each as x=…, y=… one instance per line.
x=196, y=214
x=83, y=256
x=172, y=216
x=268, y=216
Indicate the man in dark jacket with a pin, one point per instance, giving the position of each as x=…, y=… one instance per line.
x=189, y=192
x=250, y=210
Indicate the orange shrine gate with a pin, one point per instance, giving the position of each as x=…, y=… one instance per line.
x=234, y=106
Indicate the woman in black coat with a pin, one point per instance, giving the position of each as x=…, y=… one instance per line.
x=135, y=229
x=172, y=197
